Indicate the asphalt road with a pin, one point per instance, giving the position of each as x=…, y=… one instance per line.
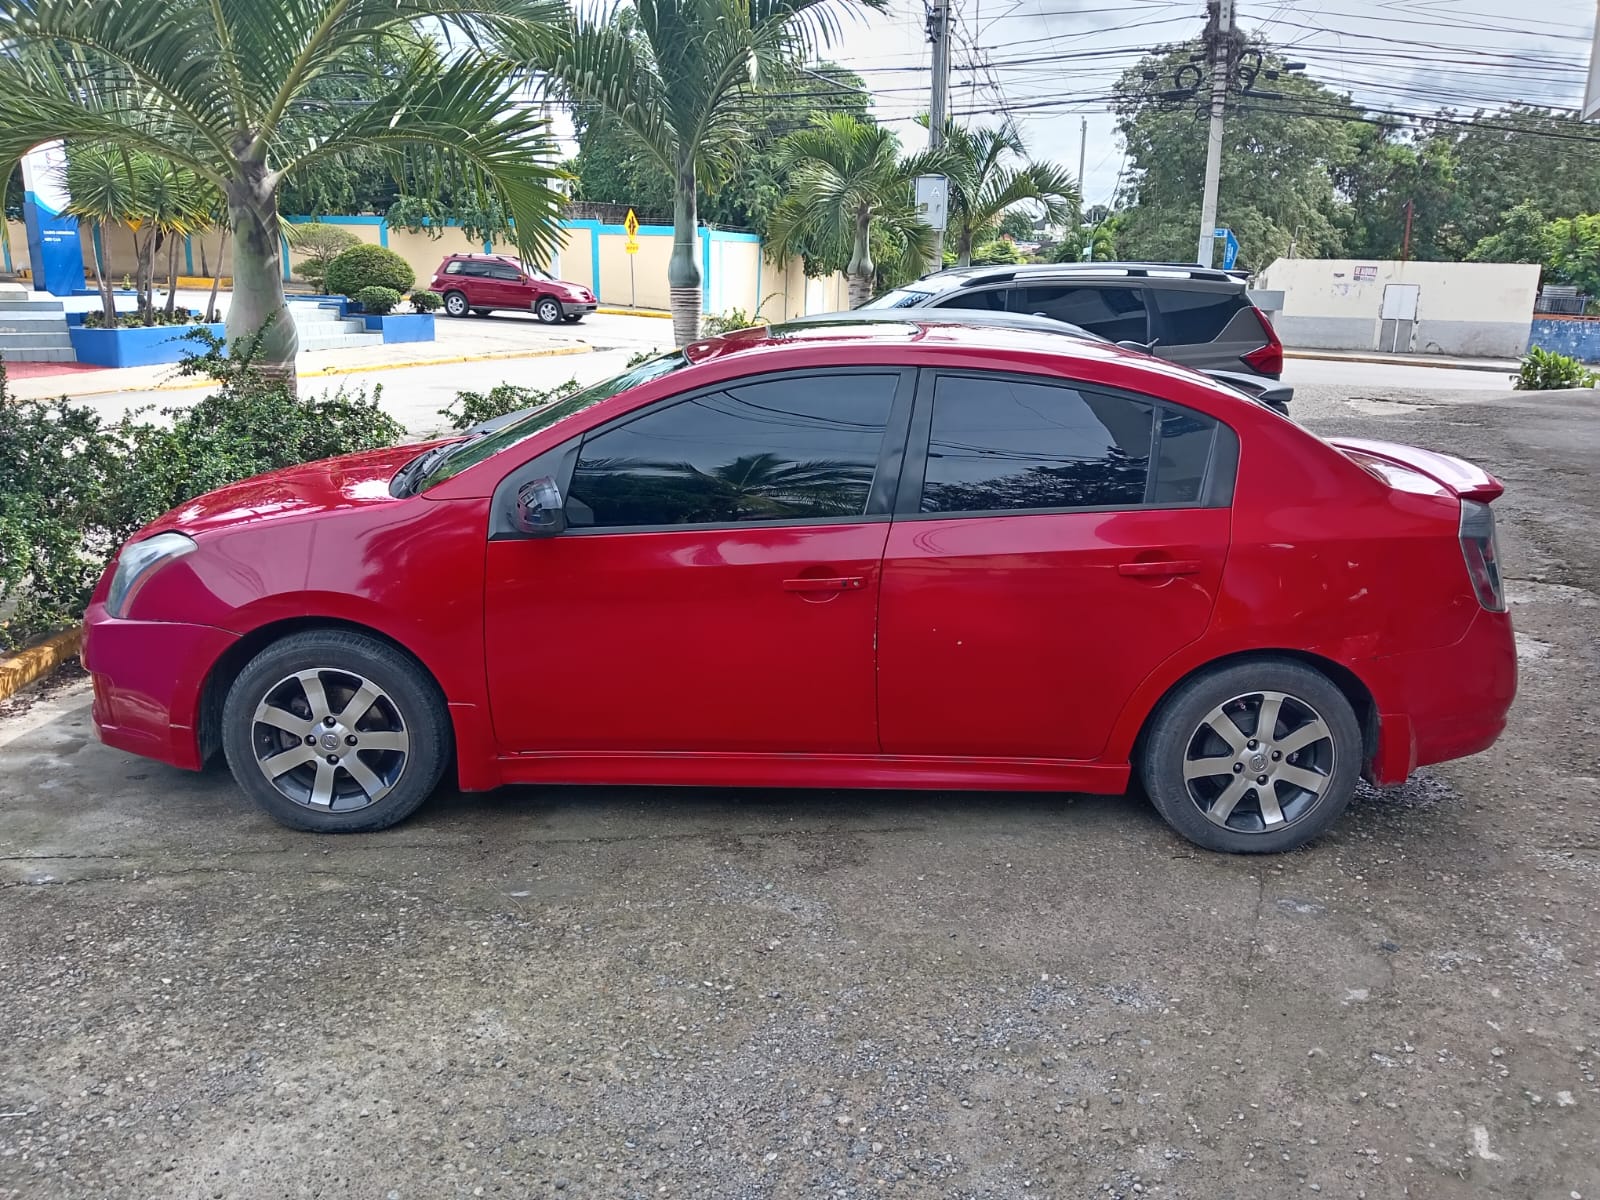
x=745, y=994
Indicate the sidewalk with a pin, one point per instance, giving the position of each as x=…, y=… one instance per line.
x=484, y=345
x=1500, y=366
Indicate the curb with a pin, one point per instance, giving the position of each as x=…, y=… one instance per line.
x=324, y=372
x=1499, y=369
x=38, y=661
x=634, y=312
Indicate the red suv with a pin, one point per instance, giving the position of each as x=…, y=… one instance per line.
x=480, y=283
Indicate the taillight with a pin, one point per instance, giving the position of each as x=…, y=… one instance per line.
x=1268, y=359
x=1482, y=553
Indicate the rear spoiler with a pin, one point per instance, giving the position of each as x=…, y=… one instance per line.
x=1463, y=478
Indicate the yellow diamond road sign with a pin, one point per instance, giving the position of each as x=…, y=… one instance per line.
x=631, y=224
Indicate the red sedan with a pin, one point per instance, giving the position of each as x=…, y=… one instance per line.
x=871, y=555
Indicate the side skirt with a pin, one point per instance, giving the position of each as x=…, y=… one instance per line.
x=815, y=770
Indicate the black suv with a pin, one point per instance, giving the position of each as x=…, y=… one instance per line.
x=1196, y=316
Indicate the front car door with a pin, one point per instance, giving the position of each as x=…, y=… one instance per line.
x=506, y=287
x=716, y=588
x=1052, y=544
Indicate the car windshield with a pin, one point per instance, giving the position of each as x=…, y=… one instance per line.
x=474, y=450
x=899, y=298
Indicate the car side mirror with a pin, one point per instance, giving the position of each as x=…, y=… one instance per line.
x=540, y=511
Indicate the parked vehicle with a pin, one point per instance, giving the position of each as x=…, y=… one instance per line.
x=482, y=283
x=1268, y=391
x=892, y=554
x=1197, y=316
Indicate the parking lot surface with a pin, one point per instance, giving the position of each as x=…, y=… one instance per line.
x=632, y=993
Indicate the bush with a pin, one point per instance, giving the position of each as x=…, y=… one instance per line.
x=320, y=244
x=734, y=318
x=129, y=320
x=72, y=488
x=369, y=266
x=1545, y=370
x=376, y=300
x=469, y=408
x=424, y=302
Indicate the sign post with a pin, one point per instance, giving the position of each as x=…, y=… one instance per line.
x=631, y=224
x=54, y=252
x=1230, y=252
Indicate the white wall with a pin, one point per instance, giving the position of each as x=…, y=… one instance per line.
x=1463, y=308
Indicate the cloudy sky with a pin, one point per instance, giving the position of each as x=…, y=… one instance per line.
x=1050, y=63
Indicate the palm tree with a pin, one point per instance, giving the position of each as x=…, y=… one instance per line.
x=984, y=184
x=846, y=178
x=104, y=193
x=676, y=75
x=223, y=88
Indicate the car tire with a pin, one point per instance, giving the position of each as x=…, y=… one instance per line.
x=1219, y=783
x=574, y=319
x=482, y=312
x=282, y=737
x=455, y=304
x=548, y=310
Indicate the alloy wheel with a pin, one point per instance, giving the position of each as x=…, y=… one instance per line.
x=456, y=304
x=1259, y=762
x=330, y=740
x=548, y=311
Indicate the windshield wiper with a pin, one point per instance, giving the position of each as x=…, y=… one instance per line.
x=414, y=472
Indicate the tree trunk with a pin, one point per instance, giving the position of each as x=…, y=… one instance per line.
x=964, y=246
x=144, y=253
x=172, y=276
x=683, y=273
x=108, y=296
x=860, y=268
x=257, y=305
x=216, y=279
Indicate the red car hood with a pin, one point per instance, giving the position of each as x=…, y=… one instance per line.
x=333, y=483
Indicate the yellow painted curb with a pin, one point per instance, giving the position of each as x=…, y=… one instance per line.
x=488, y=356
x=635, y=312
x=195, y=282
x=38, y=661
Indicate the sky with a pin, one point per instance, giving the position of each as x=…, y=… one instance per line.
x=1051, y=63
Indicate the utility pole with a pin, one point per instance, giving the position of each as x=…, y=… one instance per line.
x=1405, y=246
x=1220, y=39
x=939, y=35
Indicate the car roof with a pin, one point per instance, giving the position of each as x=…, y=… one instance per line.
x=907, y=332
x=956, y=277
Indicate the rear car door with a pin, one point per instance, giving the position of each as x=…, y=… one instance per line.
x=1114, y=311
x=716, y=588
x=1052, y=544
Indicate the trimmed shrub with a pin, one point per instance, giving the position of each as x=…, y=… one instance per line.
x=425, y=301
x=320, y=244
x=369, y=266
x=376, y=300
x=1545, y=370
x=734, y=318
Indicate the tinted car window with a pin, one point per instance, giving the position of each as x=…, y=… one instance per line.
x=1000, y=444
x=511, y=273
x=1115, y=313
x=453, y=268
x=474, y=268
x=1191, y=317
x=1182, y=456
x=983, y=299
x=779, y=449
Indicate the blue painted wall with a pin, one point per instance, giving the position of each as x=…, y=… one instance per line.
x=1578, y=337
x=134, y=347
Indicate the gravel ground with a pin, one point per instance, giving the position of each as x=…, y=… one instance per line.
x=631, y=993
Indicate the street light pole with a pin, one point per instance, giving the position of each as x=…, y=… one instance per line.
x=1221, y=34
x=939, y=35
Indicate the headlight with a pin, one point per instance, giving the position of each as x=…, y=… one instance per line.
x=139, y=561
